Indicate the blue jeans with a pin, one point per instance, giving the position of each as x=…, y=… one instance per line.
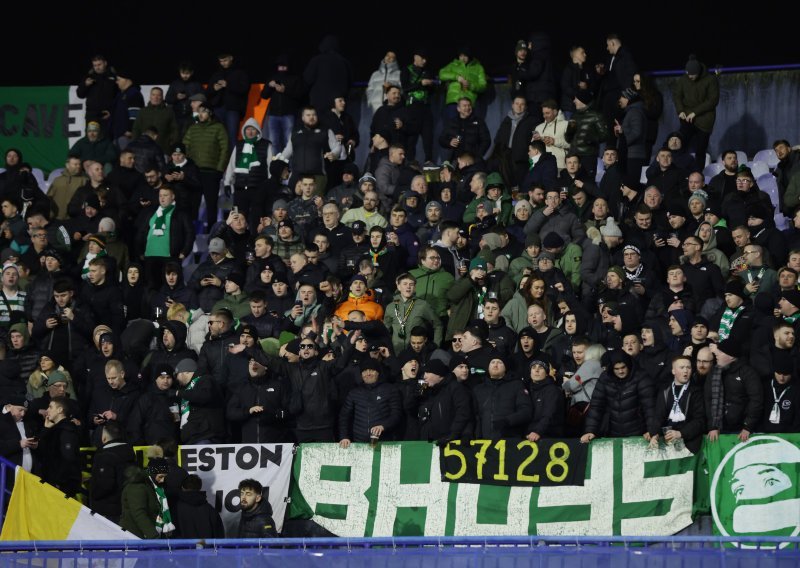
x=230, y=119
x=280, y=131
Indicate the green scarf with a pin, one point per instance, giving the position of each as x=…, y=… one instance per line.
x=160, y=220
x=247, y=158
x=164, y=519
x=726, y=323
x=792, y=318
x=185, y=408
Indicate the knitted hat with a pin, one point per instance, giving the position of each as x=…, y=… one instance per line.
x=492, y=240
x=523, y=204
x=541, y=360
x=359, y=277
x=279, y=204
x=157, y=465
x=792, y=296
x=552, y=240
x=479, y=329
x=370, y=363
x=700, y=195
x=456, y=360
x=16, y=399
x=782, y=361
x=432, y=205
x=56, y=376
x=630, y=94
x=735, y=287
x=618, y=271
x=584, y=96
x=250, y=330
x=237, y=278
x=693, y=66
x=186, y=366
x=437, y=367
x=527, y=331
x=367, y=177
x=610, y=229
x=100, y=240
x=533, y=239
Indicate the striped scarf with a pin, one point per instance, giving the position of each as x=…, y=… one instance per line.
x=164, y=519
x=726, y=323
x=185, y=408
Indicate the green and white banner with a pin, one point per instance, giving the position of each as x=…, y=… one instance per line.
x=397, y=489
x=755, y=486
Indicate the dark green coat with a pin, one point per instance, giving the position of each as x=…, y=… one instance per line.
x=139, y=505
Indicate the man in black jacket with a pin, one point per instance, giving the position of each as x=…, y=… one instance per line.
x=194, y=516
x=511, y=140
x=260, y=405
x=467, y=132
x=502, y=405
x=18, y=441
x=201, y=406
x=256, y=521
x=59, y=448
x=108, y=471
x=227, y=93
x=445, y=411
x=371, y=410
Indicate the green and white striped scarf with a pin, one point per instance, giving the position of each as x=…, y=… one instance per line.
x=164, y=519
x=185, y=408
x=726, y=323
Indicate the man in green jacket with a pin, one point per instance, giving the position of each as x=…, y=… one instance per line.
x=145, y=511
x=157, y=114
x=465, y=77
x=407, y=312
x=207, y=145
x=696, y=96
x=432, y=282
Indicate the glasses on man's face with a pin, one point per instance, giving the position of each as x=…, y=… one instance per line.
x=456, y=340
x=307, y=346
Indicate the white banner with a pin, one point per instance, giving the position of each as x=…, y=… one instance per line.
x=222, y=467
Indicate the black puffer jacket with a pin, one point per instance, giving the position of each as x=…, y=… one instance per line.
x=743, y=399
x=502, y=408
x=475, y=137
x=214, y=355
x=549, y=408
x=445, y=412
x=622, y=407
x=150, y=419
x=538, y=75
x=108, y=477
x=586, y=129
x=366, y=406
x=263, y=427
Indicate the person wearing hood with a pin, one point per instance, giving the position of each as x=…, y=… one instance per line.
x=285, y=91
x=261, y=405
x=696, y=96
x=372, y=410
x=171, y=349
x=705, y=232
x=109, y=463
x=501, y=403
x=248, y=171
x=386, y=75
x=256, y=521
x=327, y=74
x=655, y=357
x=145, y=512
x=194, y=516
x=464, y=77
x=579, y=388
x=155, y=415
x=680, y=327
x=622, y=403
x=679, y=407
x=173, y=290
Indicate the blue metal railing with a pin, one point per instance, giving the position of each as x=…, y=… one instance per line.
x=6, y=485
x=788, y=544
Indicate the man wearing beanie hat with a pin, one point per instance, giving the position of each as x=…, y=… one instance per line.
x=567, y=257
x=734, y=319
x=734, y=394
x=696, y=96
x=145, y=512
x=372, y=410
x=548, y=401
x=17, y=435
x=235, y=300
x=260, y=404
x=503, y=404
x=201, y=405
x=444, y=410
x=781, y=397
x=360, y=298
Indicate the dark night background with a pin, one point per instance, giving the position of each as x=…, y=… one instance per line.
x=150, y=38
